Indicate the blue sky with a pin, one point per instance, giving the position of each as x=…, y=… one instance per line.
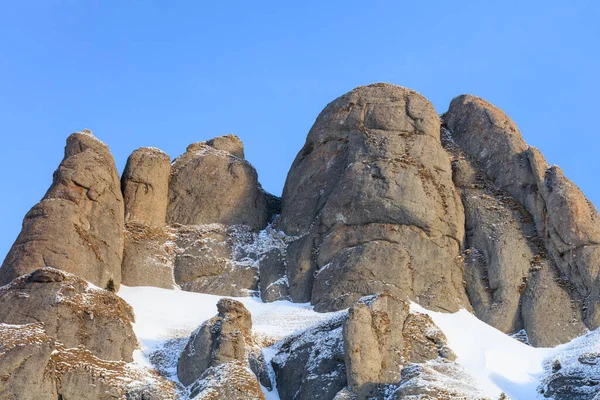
x=166, y=74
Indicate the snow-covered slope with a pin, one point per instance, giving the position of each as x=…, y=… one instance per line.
x=500, y=363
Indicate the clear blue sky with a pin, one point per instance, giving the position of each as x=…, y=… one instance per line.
x=166, y=74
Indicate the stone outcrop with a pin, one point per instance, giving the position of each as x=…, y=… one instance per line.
x=78, y=225
x=211, y=185
x=24, y=354
x=73, y=312
x=145, y=185
x=516, y=267
x=371, y=194
x=231, y=380
x=380, y=337
x=224, y=338
x=34, y=366
x=437, y=380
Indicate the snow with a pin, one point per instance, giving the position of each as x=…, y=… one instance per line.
x=164, y=320
x=497, y=361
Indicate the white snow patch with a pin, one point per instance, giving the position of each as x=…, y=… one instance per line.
x=498, y=362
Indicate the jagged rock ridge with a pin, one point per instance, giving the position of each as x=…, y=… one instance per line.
x=386, y=203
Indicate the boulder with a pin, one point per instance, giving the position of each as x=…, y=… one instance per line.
x=149, y=256
x=211, y=185
x=231, y=380
x=273, y=279
x=228, y=143
x=224, y=338
x=78, y=225
x=440, y=380
x=310, y=365
x=145, y=185
x=72, y=311
x=373, y=185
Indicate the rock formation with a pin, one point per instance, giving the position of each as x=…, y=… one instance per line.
x=222, y=339
x=145, y=185
x=78, y=225
x=72, y=312
x=34, y=366
x=386, y=203
x=511, y=263
x=213, y=185
x=371, y=193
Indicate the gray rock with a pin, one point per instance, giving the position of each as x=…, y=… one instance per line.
x=310, y=365
x=72, y=311
x=145, y=185
x=373, y=175
x=273, y=279
x=224, y=338
x=206, y=260
x=566, y=224
x=210, y=185
x=435, y=381
x=78, y=225
x=230, y=380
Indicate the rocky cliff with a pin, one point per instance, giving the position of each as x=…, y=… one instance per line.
x=386, y=204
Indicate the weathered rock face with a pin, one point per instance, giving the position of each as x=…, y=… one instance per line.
x=24, y=354
x=72, y=312
x=78, y=225
x=372, y=343
x=310, y=365
x=224, y=338
x=211, y=185
x=438, y=380
x=512, y=222
x=231, y=380
x=207, y=260
x=149, y=256
x=372, y=193
x=145, y=185
x=511, y=281
x=380, y=337
x=36, y=367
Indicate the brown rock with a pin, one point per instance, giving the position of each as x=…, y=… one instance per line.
x=374, y=158
x=145, y=185
x=229, y=143
x=372, y=343
x=24, y=354
x=210, y=185
x=72, y=311
x=78, y=225
x=34, y=366
x=566, y=224
x=149, y=256
x=224, y=338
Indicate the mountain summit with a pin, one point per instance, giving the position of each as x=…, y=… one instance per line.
x=405, y=231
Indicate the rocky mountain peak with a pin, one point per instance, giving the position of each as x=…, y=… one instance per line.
x=393, y=220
